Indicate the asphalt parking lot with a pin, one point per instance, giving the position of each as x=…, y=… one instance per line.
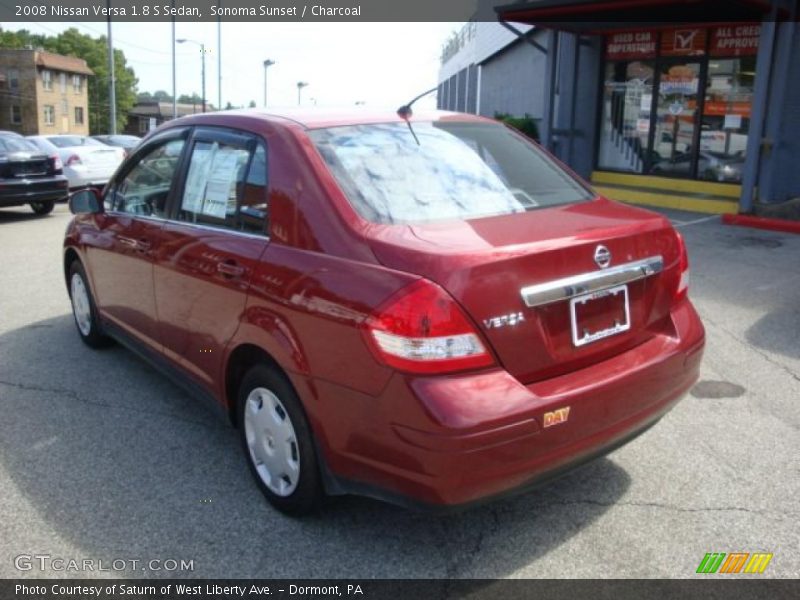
x=103, y=458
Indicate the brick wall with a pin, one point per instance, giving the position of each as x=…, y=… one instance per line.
x=32, y=97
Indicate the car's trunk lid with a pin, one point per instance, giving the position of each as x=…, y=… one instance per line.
x=24, y=165
x=486, y=263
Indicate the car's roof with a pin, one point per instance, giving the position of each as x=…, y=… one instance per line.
x=316, y=118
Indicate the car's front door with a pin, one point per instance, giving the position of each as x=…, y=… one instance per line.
x=211, y=246
x=129, y=235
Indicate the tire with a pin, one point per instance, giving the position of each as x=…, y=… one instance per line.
x=43, y=208
x=84, y=311
x=277, y=441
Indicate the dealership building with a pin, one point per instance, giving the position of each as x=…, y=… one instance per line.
x=692, y=104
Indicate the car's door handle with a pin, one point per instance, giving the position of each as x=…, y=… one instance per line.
x=230, y=269
x=141, y=245
x=126, y=241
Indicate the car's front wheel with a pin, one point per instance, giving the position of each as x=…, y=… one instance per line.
x=277, y=441
x=83, y=308
x=43, y=208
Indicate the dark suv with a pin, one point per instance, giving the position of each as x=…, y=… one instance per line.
x=29, y=176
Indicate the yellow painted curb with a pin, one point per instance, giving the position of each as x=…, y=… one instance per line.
x=701, y=205
x=710, y=188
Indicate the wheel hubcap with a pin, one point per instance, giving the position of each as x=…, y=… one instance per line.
x=80, y=304
x=272, y=441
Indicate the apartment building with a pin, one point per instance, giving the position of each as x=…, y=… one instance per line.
x=43, y=93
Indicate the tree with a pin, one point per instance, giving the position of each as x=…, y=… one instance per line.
x=95, y=52
x=195, y=98
x=252, y=104
x=162, y=96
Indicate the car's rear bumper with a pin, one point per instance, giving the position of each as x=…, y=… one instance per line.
x=84, y=176
x=17, y=192
x=456, y=440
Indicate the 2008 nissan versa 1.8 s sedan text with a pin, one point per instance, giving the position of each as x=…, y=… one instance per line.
x=428, y=309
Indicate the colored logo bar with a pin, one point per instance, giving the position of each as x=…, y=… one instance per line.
x=734, y=562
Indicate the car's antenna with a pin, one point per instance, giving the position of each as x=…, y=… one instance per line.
x=405, y=112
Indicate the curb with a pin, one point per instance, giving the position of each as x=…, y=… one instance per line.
x=762, y=223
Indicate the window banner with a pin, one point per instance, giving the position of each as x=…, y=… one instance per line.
x=735, y=40
x=628, y=45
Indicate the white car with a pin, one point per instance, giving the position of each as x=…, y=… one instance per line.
x=87, y=162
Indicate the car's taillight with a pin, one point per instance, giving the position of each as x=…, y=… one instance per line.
x=57, y=164
x=73, y=160
x=421, y=329
x=683, y=266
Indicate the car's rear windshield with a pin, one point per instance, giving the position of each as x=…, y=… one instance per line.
x=451, y=170
x=12, y=143
x=69, y=141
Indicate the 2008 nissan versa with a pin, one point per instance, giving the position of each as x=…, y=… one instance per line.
x=428, y=310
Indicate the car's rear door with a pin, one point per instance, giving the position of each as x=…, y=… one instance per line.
x=129, y=236
x=212, y=243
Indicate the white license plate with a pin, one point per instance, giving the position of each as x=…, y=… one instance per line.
x=599, y=315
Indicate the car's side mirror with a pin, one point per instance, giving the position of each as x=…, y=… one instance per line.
x=85, y=201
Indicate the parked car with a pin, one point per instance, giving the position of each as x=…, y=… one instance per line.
x=87, y=162
x=428, y=310
x=712, y=166
x=126, y=142
x=29, y=176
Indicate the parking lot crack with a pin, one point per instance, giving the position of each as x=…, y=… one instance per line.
x=671, y=507
x=83, y=400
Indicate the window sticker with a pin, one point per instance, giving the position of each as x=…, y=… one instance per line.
x=196, y=180
x=220, y=191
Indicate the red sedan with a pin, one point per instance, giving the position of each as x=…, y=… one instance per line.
x=429, y=310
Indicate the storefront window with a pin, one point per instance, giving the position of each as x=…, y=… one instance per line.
x=627, y=100
x=676, y=112
x=726, y=118
x=677, y=102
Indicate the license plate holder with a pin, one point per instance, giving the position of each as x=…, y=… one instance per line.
x=588, y=325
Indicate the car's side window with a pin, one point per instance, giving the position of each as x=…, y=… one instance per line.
x=145, y=188
x=226, y=187
x=253, y=213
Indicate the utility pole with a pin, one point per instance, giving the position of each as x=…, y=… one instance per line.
x=174, y=86
x=203, y=71
x=219, y=61
x=112, y=84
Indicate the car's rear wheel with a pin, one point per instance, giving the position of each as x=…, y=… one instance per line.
x=277, y=441
x=43, y=208
x=83, y=308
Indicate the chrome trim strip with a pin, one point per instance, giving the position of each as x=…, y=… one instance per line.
x=585, y=283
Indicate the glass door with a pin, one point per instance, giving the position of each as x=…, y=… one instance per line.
x=676, y=112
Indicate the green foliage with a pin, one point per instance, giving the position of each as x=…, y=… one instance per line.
x=95, y=52
x=252, y=104
x=195, y=98
x=157, y=96
x=526, y=125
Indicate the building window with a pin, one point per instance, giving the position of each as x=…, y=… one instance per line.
x=677, y=102
x=47, y=80
x=62, y=80
x=13, y=79
x=16, y=114
x=49, y=115
x=78, y=115
x=144, y=125
x=627, y=101
x=77, y=84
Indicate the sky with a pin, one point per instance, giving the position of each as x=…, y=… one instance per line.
x=381, y=64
